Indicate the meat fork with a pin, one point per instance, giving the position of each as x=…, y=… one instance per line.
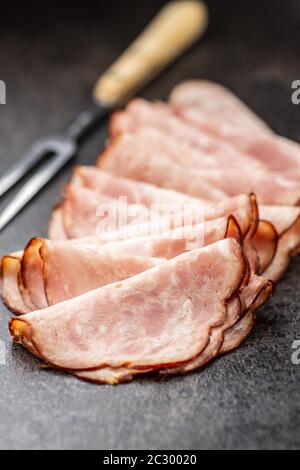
x=178, y=25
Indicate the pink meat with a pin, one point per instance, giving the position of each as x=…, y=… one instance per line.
x=137, y=192
x=262, y=239
x=12, y=298
x=56, y=228
x=235, y=329
x=146, y=164
x=67, y=269
x=219, y=112
x=177, y=136
x=127, y=156
x=287, y=222
x=86, y=214
x=161, y=317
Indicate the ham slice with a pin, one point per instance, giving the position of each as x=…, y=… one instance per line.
x=87, y=214
x=251, y=297
x=218, y=111
x=56, y=228
x=59, y=271
x=12, y=298
x=287, y=222
x=56, y=271
x=262, y=239
x=177, y=137
x=239, y=322
x=221, y=112
x=136, y=192
x=127, y=156
x=161, y=317
x=214, y=155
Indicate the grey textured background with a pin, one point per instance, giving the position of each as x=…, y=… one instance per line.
x=49, y=59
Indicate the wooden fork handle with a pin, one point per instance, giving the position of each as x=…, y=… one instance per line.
x=178, y=25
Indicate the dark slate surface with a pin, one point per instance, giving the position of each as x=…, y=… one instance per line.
x=250, y=399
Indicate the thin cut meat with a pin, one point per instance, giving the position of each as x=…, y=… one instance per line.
x=86, y=214
x=263, y=238
x=260, y=243
x=250, y=298
x=159, y=318
x=109, y=375
x=216, y=110
x=237, y=326
x=60, y=270
x=141, y=116
x=56, y=228
x=115, y=375
x=287, y=222
x=64, y=271
x=12, y=298
x=127, y=156
x=215, y=156
x=136, y=192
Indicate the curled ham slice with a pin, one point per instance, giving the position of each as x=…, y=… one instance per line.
x=161, y=317
x=11, y=295
x=239, y=322
x=262, y=237
x=86, y=215
x=137, y=192
x=287, y=222
x=218, y=111
x=56, y=271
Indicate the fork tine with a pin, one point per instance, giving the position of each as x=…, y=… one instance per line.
x=35, y=184
x=20, y=169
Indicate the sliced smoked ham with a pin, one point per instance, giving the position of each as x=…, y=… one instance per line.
x=145, y=164
x=177, y=137
x=56, y=227
x=55, y=271
x=127, y=156
x=122, y=289
x=239, y=322
x=86, y=215
x=219, y=112
x=287, y=222
x=251, y=297
x=232, y=332
x=137, y=192
x=263, y=237
x=159, y=318
x=11, y=295
x=59, y=271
